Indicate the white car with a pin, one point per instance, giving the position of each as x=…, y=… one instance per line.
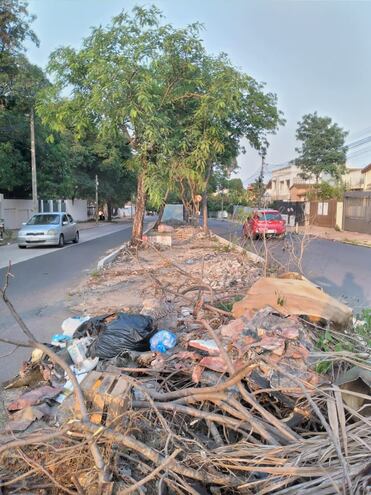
x=48, y=229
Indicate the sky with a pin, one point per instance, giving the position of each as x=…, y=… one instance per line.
x=315, y=55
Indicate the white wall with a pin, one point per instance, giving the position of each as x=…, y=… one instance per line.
x=15, y=211
x=78, y=209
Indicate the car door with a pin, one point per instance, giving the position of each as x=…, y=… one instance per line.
x=73, y=226
x=66, y=229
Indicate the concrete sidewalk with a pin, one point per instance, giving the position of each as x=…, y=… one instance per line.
x=356, y=238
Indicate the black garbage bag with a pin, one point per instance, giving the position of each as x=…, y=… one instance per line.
x=92, y=327
x=125, y=332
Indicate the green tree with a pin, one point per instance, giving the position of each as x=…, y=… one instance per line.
x=54, y=159
x=15, y=28
x=324, y=191
x=322, y=148
x=125, y=79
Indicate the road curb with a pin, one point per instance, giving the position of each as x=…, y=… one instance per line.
x=249, y=255
x=109, y=258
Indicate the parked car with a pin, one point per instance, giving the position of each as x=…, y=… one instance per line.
x=48, y=229
x=265, y=222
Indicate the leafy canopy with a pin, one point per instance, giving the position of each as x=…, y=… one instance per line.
x=322, y=148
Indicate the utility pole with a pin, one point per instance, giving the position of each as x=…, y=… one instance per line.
x=261, y=181
x=35, y=205
x=96, y=199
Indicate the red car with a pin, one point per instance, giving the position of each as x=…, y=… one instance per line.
x=267, y=222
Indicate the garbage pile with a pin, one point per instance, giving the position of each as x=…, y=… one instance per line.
x=186, y=397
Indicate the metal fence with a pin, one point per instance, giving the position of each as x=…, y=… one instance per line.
x=292, y=211
x=323, y=213
x=357, y=211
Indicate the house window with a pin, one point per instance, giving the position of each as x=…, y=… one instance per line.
x=322, y=209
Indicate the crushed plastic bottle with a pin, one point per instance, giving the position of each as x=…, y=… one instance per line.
x=162, y=341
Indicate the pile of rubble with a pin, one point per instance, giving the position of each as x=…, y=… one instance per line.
x=197, y=391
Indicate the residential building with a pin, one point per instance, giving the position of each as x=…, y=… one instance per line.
x=366, y=172
x=353, y=179
x=286, y=183
x=282, y=181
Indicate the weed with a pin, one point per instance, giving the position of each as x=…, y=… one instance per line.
x=280, y=300
x=363, y=329
x=95, y=274
x=228, y=305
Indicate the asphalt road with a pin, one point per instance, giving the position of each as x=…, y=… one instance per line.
x=39, y=289
x=342, y=270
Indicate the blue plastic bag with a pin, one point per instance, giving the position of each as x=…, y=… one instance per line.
x=162, y=341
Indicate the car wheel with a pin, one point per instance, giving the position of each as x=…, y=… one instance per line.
x=77, y=237
x=61, y=241
x=22, y=247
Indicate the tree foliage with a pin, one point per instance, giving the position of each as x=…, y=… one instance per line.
x=322, y=148
x=325, y=190
x=154, y=87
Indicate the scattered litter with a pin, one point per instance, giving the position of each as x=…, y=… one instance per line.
x=162, y=341
x=78, y=348
x=60, y=340
x=262, y=418
x=71, y=324
x=125, y=332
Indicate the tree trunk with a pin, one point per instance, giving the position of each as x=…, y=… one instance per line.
x=204, y=199
x=161, y=211
x=140, y=204
x=109, y=210
x=186, y=213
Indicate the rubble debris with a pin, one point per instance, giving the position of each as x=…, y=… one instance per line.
x=34, y=397
x=163, y=227
x=22, y=419
x=236, y=406
x=291, y=296
x=162, y=239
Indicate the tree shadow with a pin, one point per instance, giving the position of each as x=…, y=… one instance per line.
x=349, y=292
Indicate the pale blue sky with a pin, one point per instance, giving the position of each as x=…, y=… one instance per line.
x=315, y=55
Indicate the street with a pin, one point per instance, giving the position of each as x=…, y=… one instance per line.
x=40, y=287
x=342, y=270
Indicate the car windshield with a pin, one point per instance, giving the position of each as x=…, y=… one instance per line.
x=269, y=216
x=44, y=220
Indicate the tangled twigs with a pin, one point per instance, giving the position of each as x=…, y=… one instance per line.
x=150, y=454
x=272, y=420
x=168, y=461
x=33, y=439
x=104, y=474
